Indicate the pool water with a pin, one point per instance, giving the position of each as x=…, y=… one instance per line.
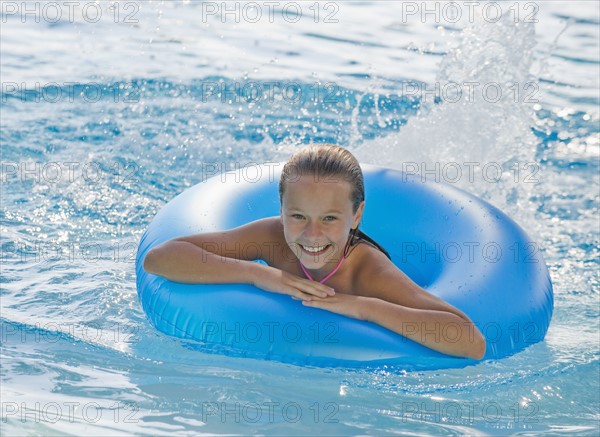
x=112, y=109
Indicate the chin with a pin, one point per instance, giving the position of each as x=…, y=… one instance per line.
x=312, y=263
x=318, y=262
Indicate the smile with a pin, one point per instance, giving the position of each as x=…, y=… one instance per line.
x=314, y=249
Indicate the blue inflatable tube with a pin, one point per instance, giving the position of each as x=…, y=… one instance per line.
x=453, y=244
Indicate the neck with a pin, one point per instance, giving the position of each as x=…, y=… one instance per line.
x=327, y=276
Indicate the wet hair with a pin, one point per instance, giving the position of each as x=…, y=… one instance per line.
x=326, y=162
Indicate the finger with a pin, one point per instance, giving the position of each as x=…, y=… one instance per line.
x=315, y=303
x=312, y=287
x=317, y=289
x=330, y=291
x=304, y=298
x=316, y=293
x=309, y=291
x=319, y=299
x=322, y=289
x=299, y=295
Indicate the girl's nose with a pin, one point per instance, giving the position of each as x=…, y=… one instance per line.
x=312, y=230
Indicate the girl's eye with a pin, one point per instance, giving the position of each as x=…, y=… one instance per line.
x=328, y=218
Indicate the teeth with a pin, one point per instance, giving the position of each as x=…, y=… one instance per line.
x=315, y=249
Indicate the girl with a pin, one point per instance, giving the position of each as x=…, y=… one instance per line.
x=315, y=253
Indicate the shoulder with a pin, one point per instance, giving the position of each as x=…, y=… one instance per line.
x=267, y=230
x=272, y=224
x=256, y=231
x=375, y=275
x=250, y=241
x=267, y=236
x=263, y=232
x=368, y=262
x=266, y=227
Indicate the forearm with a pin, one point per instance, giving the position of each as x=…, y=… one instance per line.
x=181, y=261
x=439, y=330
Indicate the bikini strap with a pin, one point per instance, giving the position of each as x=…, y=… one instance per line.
x=329, y=275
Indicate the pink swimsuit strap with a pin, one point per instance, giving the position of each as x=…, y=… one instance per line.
x=329, y=275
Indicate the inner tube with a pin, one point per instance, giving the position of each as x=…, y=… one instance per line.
x=453, y=244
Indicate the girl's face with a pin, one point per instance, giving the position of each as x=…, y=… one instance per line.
x=317, y=216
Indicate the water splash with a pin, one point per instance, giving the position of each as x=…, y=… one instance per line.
x=473, y=129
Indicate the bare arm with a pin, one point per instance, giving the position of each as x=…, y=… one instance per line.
x=395, y=302
x=439, y=330
x=226, y=258
x=442, y=331
x=403, y=307
x=182, y=261
x=215, y=258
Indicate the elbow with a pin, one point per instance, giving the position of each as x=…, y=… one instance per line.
x=152, y=261
x=478, y=347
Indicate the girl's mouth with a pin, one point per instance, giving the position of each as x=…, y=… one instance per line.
x=315, y=250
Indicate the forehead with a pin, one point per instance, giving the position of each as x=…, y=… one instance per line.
x=312, y=190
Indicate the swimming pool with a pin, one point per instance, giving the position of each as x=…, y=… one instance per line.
x=108, y=113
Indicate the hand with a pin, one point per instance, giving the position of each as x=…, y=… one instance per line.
x=344, y=304
x=277, y=281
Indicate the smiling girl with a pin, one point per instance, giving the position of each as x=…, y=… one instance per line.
x=315, y=253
